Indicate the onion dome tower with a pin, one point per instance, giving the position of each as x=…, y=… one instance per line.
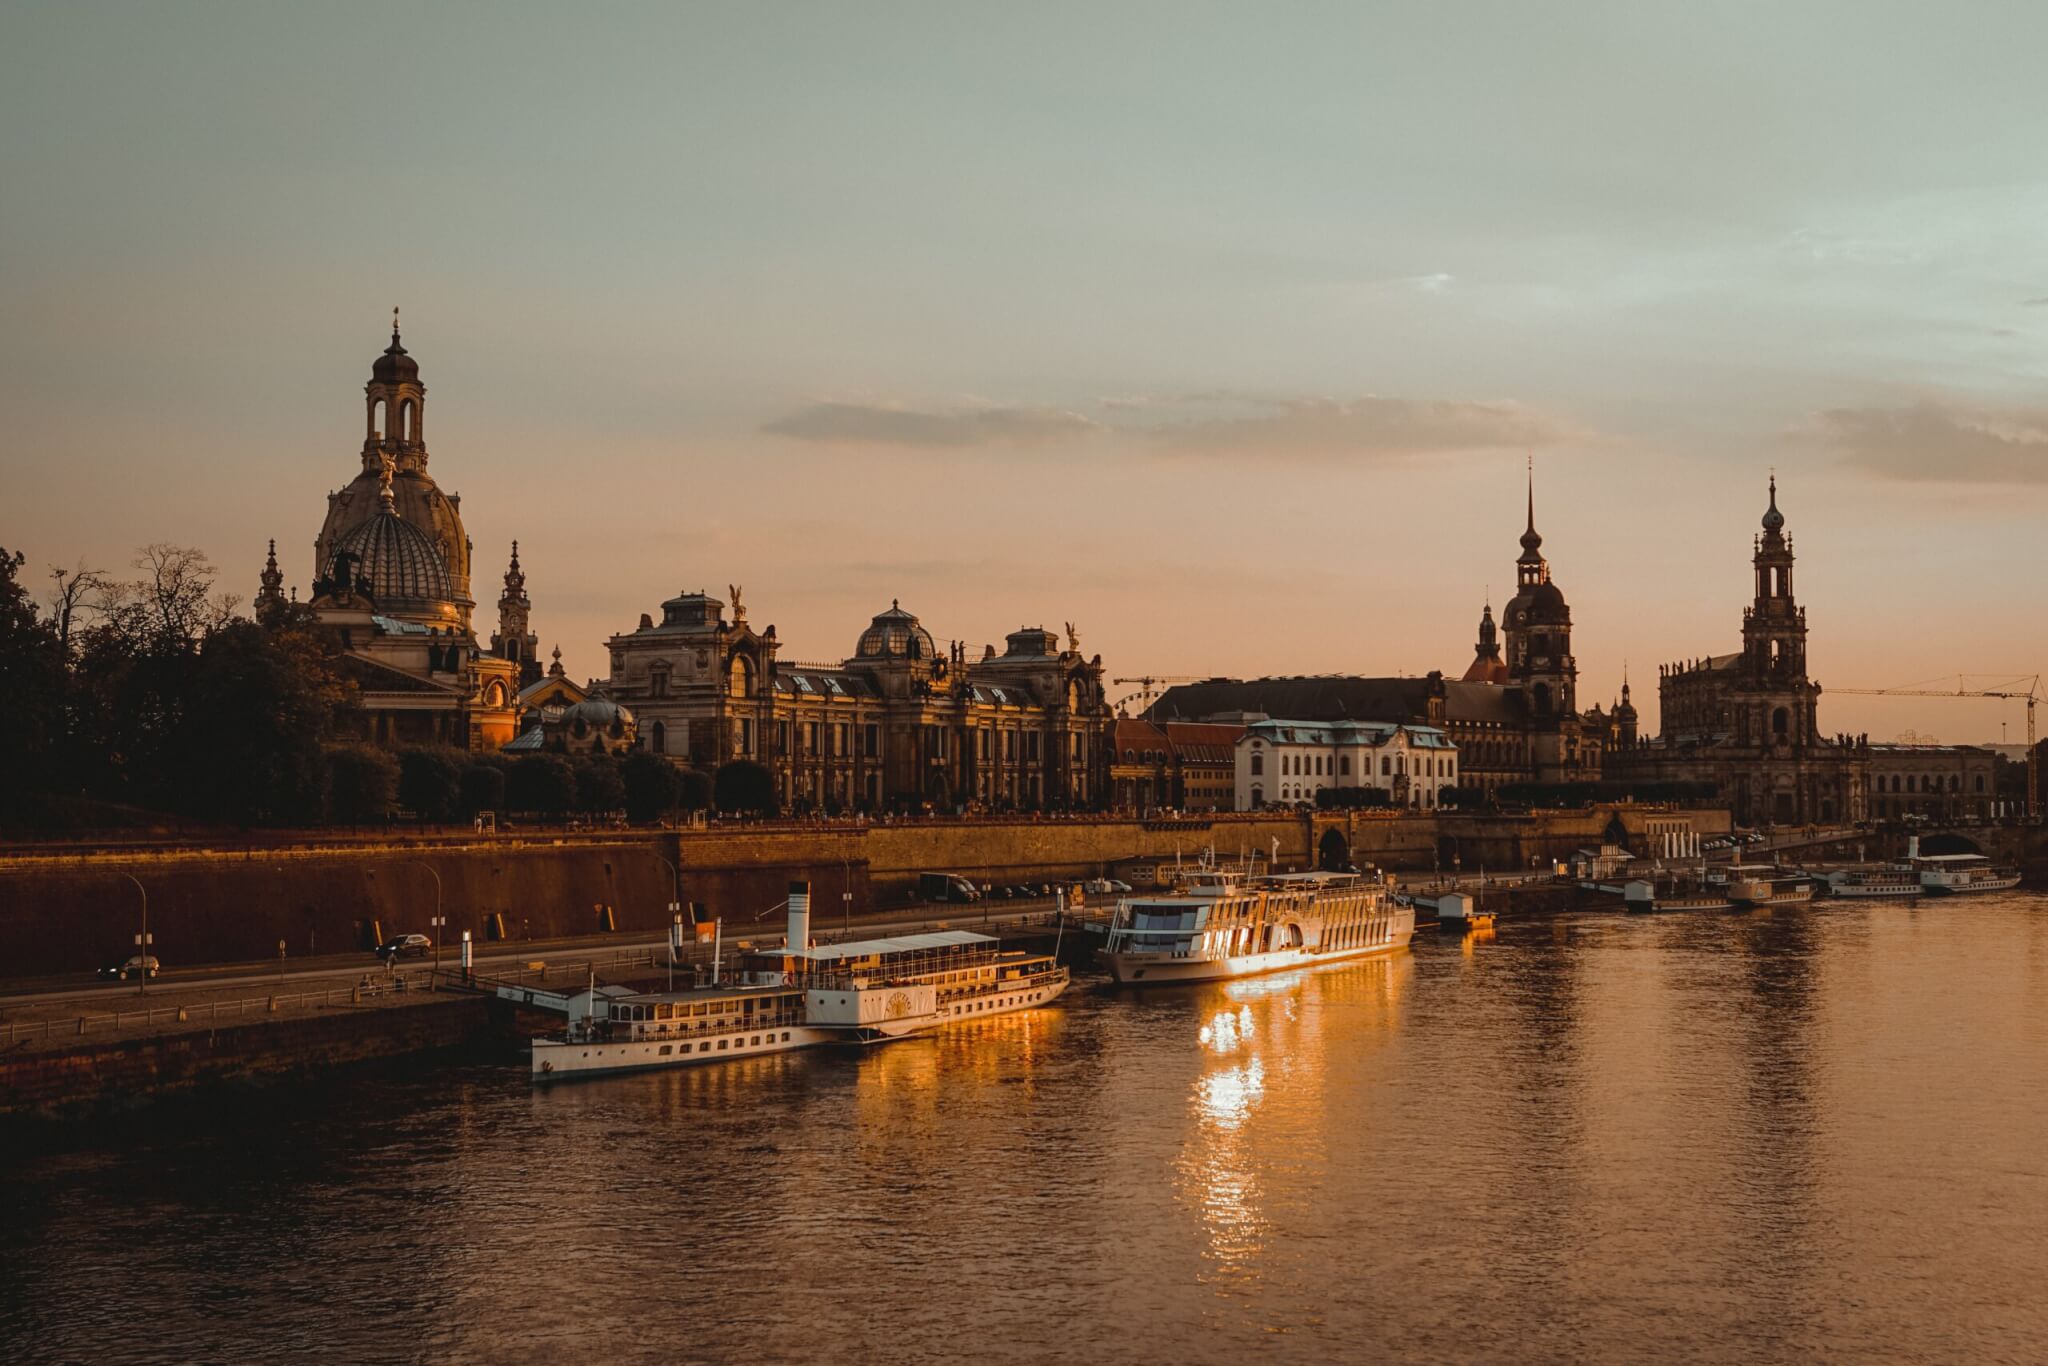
x=1487, y=666
x=394, y=406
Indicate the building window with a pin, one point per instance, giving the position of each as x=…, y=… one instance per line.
x=1258, y=767
x=871, y=740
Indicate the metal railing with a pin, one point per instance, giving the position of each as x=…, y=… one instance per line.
x=209, y=1014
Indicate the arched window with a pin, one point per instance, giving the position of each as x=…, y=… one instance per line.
x=377, y=416
x=660, y=738
x=405, y=421
x=742, y=676
x=1781, y=721
x=1258, y=795
x=1258, y=767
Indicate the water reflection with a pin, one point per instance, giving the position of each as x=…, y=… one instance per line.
x=1765, y=1138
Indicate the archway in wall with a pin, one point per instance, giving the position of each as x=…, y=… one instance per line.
x=1948, y=843
x=1333, y=852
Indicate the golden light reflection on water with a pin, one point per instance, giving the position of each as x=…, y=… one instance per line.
x=1271, y=1035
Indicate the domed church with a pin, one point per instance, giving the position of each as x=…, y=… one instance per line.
x=391, y=581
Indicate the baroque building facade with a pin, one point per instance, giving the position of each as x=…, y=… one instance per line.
x=898, y=725
x=1749, y=722
x=391, y=584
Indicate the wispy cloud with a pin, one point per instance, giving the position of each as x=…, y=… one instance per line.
x=891, y=425
x=1937, y=442
x=1212, y=423
x=1370, y=426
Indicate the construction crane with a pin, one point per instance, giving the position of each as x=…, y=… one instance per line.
x=2009, y=690
x=1148, y=691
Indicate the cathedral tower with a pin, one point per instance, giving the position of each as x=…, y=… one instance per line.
x=1774, y=644
x=1539, y=631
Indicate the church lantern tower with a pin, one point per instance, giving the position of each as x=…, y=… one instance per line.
x=1487, y=666
x=394, y=406
x=271, y=594
x=513, y=640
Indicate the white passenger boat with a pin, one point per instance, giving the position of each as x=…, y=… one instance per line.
x=1216, y=924
x=802, y=995
x=1962, y=874
x=1894, y=883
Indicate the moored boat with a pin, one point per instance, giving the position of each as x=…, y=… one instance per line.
x=1894, y=883
x=1216, y=925
x=1962, y=874
x=801, y=995
x=1752, y=885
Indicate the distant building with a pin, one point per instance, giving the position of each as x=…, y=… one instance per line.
x=1748, y=723
x=897, y=725
x=1936, y=782
x=391, y=583
x=1286, y=761
x=1512, y=718
x=1182, y=766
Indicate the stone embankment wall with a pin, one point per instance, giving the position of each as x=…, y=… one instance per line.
x=74, y=911
x=123, y=1071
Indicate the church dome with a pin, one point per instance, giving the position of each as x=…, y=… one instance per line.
x=395, y=366
x=400, y=562
x=895, y=633
x=598, y=716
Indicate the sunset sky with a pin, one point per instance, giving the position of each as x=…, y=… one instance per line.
x=1220, y=331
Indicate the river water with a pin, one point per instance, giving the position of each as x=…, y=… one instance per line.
x=1782, y=1136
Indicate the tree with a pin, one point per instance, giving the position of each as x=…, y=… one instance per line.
x=541, y=783
x=743, y=787
x=598, y=787
x=362, y=784
x=430, y=782
x=653, y=787
x=483, y=786
x=256, y=713
x=696, y=794
x=78, y=591
x=33, y=684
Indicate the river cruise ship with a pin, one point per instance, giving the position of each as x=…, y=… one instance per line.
x=1893, y=884
x=1215, y=924
x=865, y=992
x=1962, y=874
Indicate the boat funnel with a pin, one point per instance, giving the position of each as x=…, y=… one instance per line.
x=799, y=916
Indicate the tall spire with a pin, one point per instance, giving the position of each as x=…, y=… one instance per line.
x=1532, y=543
x=272, y=579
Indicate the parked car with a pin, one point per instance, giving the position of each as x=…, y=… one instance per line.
x=135, y=968
x=405, y=946
x=1121, y=888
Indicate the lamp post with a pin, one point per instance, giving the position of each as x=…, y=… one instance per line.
x=846, y=896
x=675, y=911
x=144, y=939
x=439, y=920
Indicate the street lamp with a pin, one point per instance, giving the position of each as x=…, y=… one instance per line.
x=145, y=939
x=439, y=920
x=675, y=910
